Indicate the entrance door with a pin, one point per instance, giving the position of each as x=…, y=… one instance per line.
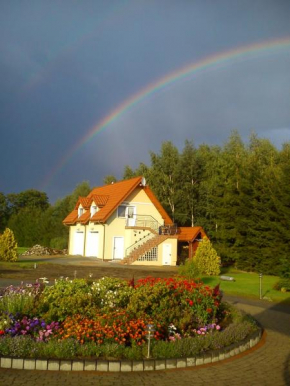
x=118, y=248
x=78, y=243
x=92, y=248
x=166, y=256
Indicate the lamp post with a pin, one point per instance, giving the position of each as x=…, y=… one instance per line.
x=150, y=334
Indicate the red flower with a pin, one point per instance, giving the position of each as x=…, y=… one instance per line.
x=2, y=332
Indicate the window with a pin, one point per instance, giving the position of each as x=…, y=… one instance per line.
x=122, y=211
x=151, y=255
x=93, y=210
x=80, y=211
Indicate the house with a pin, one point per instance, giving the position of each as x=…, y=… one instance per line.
x=125, y=221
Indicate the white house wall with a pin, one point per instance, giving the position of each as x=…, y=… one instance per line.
x=116, y=227
x=159, y=262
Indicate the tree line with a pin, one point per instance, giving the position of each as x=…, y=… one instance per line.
x=34, y=221
x=239, y=193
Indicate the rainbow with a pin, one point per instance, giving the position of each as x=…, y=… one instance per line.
x=214, y=61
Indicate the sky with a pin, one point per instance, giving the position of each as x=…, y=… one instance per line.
x=88, y=87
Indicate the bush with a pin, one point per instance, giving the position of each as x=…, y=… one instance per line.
x=206, y=259
x=111, y=293
x=189, y=269
x=282, y=284
x=65, y=298
x=184, y=303
x=59, y=242
x=285, y=268
x=8, y=246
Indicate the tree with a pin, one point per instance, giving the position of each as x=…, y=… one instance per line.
x=109, y=179
x=81, y=190
x=8, y=246
x=164, y=175
x=27, y=199
x=188, y=184
x=206, y=259
x=4, y=214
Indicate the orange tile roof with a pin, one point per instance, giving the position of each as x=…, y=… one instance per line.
x=190, y=233
x=109, y=197
x=99, y=200
x=84, y=201
x=84, y=218
x=71, y=218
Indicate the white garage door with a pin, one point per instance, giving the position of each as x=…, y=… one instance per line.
x=78, y=243
x=92, y=248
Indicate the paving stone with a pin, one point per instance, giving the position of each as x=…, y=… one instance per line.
x=148, y=365
x=160, y=364
x=65, y=365
x=126, y=366
x=41, y=364
x=102, y=365
x=90, y=366
x=138, y=365
x=171, y=363
x=181, y=363
x=77, y=365
x=6, y=363
x=53, y=365
x=29, y=364
x=114, y=366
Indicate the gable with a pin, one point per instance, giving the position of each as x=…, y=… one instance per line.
x=109, y=197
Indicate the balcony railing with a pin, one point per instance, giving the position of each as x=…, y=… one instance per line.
x=143, y=221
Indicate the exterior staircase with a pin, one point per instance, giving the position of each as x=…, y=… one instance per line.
x=143, y=248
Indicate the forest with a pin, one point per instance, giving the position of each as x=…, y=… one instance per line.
x=239, y=193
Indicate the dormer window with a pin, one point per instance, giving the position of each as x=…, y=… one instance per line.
x=80, y=211
x=93, y=210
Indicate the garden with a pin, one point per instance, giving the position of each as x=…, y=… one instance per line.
x=114, y=318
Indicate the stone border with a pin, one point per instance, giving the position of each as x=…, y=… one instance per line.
x=127, y=365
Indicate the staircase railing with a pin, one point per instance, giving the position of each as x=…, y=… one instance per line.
x=138, y=243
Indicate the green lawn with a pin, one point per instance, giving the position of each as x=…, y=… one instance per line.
x=248, y=285
x=21, y=250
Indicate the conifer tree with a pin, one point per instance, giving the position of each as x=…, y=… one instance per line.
x=8, y=246
x=206, y=259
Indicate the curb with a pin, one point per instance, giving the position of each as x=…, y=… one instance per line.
x=131, y=366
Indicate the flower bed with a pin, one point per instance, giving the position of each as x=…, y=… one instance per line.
x=109, y=318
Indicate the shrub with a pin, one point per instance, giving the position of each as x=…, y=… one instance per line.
x=59, y=242
x=65, y=298
x=206, y=259
x=189, y=269
x=285, y=268
x=282, y=284
x=111, y=293
x=8, y=246
x=184, y=303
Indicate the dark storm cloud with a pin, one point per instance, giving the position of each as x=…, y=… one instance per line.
x=66, y=65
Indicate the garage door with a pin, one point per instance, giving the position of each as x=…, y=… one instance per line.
x=78, y=243
x=92, y=248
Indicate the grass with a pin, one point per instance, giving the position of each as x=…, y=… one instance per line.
x=21, y=250
x=247, y=284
